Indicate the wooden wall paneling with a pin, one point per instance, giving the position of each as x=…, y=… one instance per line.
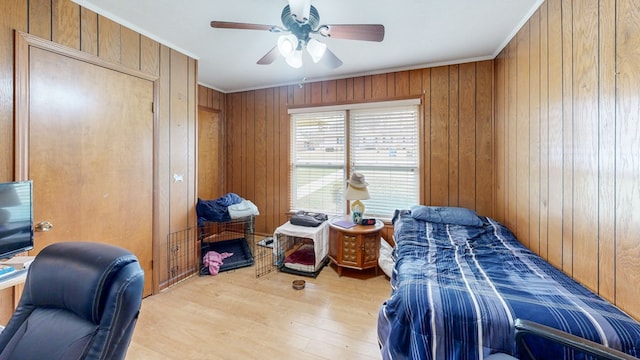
x=217, y=100
x=425, y=158
x=329, y=91
x=585, y=140
x=14, y=16
x=567, y=134
x=260, y=154
x=358, y=89
x=467, y=136
x=341, y=91
x=163, y=176
x=554, y=37
x=130, y=48
x=606, y=151
x=391, y=84
x=108, y=39
x=243, y=142
x=203, y=96
x=298, y=94
x=283, y=158
x=316, y=93
x=439, y=136
x=89, y=33
x=269, y=207
x=248, y=142
x=350, y=84
x=499, y=136
x=378, y=86
x=65, y=23
x=241, y=170
x=534, y=132
x=544, y=132
x=191, y=143
x=368, y=87
x=231, y=128
x=523, y=137
x=401, y=84
x=415, y=83
x=483, y=142
x=627, y=186
x=454, y=131
x=149, y=59
x=39, y=18
x=511, y=138
x=179, y=130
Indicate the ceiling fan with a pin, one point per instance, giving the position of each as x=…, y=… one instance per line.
x=300, y=21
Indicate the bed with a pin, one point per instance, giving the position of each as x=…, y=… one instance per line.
x=459, y=285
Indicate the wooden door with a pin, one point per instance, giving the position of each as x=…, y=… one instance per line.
x=89, y=141
x=210, y=168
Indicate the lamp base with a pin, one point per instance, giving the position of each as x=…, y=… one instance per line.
x=357, y=211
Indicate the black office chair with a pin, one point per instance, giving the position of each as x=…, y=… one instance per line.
x=80, y=301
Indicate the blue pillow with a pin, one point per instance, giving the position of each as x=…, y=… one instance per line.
x=446, y=215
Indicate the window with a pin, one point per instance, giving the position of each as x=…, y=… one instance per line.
x=379, y=142
x=318, y=161
x=384, y=148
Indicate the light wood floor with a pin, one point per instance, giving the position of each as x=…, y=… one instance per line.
x=235, y=315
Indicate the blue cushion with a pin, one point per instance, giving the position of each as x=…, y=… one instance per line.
x=446, y=215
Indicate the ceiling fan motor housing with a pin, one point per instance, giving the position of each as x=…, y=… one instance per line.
x=301, y=29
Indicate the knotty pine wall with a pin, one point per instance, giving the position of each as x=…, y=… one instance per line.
x=456, y=127
x=567, y=141
x=66, y=23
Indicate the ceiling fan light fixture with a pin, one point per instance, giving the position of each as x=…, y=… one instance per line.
x=287, y=44
x=316, y=49
x=300, y=10
x=295, y=60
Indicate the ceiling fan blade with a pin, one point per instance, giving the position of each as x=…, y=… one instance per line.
x=235, y=25
x=366, y=32
x=300, y=9
x=331, y=60
x=269, y=57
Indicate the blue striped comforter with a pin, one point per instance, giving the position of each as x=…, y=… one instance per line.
x=457, y=290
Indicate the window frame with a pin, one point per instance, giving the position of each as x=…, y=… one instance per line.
x=348, y=164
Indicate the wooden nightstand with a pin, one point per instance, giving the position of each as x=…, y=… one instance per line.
x=356, y=247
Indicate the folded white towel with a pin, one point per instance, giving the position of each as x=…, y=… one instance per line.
x=243, y=209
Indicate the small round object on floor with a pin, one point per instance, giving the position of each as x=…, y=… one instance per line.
x=298, y=284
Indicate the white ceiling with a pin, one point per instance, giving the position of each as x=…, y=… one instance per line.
x=418, y=33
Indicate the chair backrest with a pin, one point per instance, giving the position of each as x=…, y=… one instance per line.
x=80, y=301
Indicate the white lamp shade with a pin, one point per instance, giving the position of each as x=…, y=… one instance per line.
x=295, y=60
x=316, y=49
x=287, y=45
x=354, y=193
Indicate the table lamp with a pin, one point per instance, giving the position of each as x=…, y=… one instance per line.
x=356, y=191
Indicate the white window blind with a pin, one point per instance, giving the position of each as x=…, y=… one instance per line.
x=382, y=144
x=318, y=169
x=384, y=148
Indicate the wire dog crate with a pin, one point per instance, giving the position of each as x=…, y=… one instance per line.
x=235, y=236
x=181, y=255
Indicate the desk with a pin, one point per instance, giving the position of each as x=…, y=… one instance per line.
x=18, y=263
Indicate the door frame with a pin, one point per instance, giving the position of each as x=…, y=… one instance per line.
x=22, y=44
